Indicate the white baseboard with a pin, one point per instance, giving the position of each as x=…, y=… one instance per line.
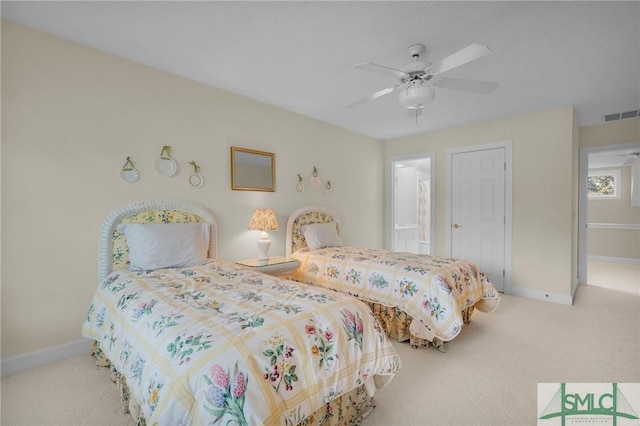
x=562, y=299
x=44, y=356
x=628, y=260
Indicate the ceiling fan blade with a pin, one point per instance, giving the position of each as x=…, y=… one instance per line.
x=380, y=69
x=476, y=86
x=461, y=57
x=630, y=159
x=374, y=96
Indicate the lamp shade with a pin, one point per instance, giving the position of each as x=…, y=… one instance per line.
x=264, y=220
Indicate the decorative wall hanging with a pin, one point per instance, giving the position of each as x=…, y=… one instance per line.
x=196, y=178
x=300, y=185
x=129, y=173
x=165, y=165
x=316, y=182
x=327, y=189
x=315, y=179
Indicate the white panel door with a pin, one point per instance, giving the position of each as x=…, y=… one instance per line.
x=478, y=210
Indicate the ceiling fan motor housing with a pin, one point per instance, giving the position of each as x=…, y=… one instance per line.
x=415, y=50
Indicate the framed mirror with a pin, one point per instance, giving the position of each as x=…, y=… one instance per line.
x=252, y=170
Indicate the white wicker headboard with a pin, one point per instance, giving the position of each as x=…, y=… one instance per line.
x=159, y=211
x=304, y=216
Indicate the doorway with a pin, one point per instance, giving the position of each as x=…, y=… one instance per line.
x=411, y=216
x=602, y=262
x=479, y=209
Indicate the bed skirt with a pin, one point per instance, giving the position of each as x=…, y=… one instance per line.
x=348, y=409
x=395, y=323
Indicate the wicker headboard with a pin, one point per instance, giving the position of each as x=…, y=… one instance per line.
x=113, y=252
x=304, y=216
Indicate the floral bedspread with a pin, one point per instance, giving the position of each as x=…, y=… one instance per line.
x=432, y=290
x=221, y=344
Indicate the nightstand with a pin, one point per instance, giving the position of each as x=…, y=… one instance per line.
x=276, y=265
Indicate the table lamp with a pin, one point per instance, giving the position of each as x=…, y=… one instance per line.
x=264, y=220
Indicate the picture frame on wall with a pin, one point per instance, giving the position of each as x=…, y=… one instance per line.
x=252, y=170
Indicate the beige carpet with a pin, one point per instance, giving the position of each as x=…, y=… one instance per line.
x=65, y=393
x=488, y=376
x=614, y=276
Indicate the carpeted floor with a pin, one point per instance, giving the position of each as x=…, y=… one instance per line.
x=65, y=393
x=614, y=276
x=490, y=373
x=488, y=376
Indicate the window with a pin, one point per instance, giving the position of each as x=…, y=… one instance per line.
x=604, y=184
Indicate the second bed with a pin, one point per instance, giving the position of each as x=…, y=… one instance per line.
x=420, y=298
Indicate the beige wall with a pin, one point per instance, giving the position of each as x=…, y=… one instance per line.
x=544, y=149
x=70, y=117
x=614, y=132
x=617, y=210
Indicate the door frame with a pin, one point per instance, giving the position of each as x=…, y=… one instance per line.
x=391, y=195
x=508, y=211
x=583, y=210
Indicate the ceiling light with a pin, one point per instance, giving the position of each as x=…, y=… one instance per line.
x=416, y=95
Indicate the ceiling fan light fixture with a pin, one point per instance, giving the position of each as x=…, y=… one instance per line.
x=416, y=81
x=416, y=95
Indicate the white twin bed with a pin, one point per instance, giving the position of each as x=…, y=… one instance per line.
x=195, y=340
x=424, y=299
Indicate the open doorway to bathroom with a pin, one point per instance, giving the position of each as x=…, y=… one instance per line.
x=412, y=203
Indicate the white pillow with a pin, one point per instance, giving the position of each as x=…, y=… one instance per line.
x=320, y=235
x=171, y=245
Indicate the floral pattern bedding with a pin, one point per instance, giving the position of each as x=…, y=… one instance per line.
x=434, y=291
x=222, y=344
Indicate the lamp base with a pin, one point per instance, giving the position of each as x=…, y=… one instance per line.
x=264, y=243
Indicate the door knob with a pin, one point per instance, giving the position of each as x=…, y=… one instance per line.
x=456, y=226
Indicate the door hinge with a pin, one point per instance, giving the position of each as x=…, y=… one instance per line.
x=503, y=274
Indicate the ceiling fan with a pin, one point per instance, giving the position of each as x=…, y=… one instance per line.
x=416, y=80
x=631, y=157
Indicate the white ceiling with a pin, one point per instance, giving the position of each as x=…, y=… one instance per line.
x=300, y=55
